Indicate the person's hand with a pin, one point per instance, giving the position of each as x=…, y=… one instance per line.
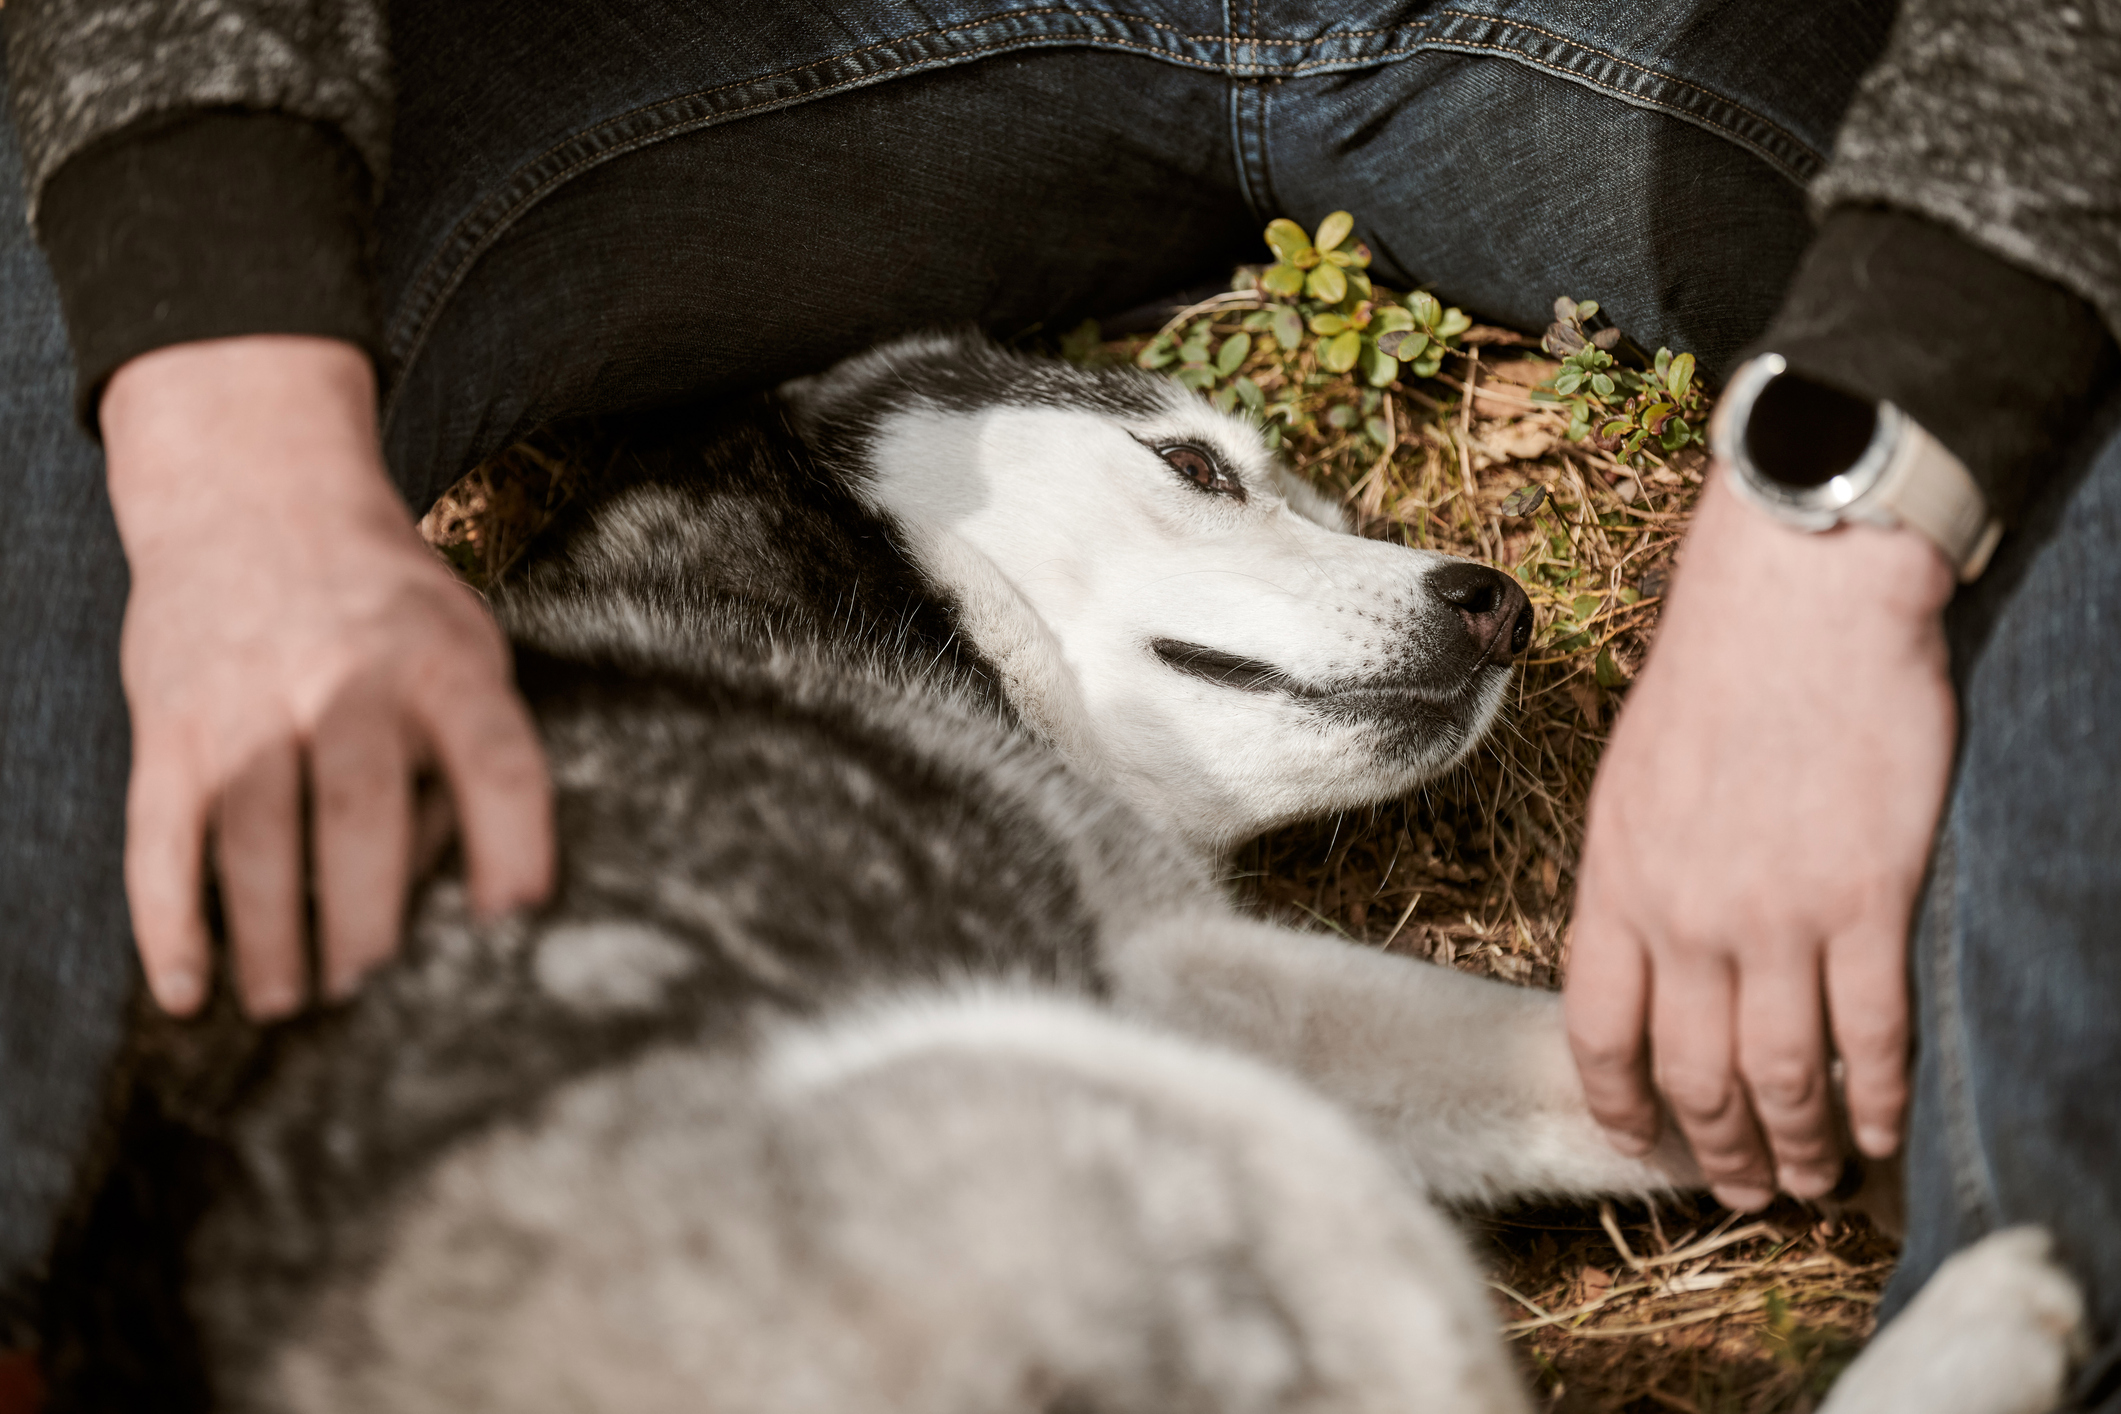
x=290, y=640
x=1757, y=834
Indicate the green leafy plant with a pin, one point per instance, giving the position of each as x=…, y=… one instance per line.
x=1617, y=408
x=1310, y=320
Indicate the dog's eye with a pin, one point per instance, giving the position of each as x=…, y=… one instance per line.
x=1202, y=470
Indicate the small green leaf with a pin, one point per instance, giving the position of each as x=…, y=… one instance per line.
x=1453, y=323
x=1584, y=606
x=1198, y=379
x=1524, y=500
x=1333, y=230
x=1681, y=375
x=1568, y=380
x=1361, y=253
x=1225, y=399
x=1359, y=286
x=1607, y=672
x=1248, y=393
x=1375, y=429
x=1288, y=328
x=1327, y=325
x=1427, y=365
x=1338, y=257
x=1664, y=363
x=1337, y=354
x=1341, y=417
x=1305, y=258
x=1157, y=353
x=1378, y=368
x=1286, y=238
x=1327, y=283
x=1234, y=351
x=1259, y=319
x=1585, y=309
x=1403, y=343
x=1389, y=317
x=1273, y=437
x=1571, y=644
x=1425, y=309
x=1602, y=385
x=1283, y=279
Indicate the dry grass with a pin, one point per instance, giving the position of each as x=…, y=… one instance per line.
x=1691, y=1308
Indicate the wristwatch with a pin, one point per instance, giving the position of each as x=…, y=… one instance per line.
x=1813, y=456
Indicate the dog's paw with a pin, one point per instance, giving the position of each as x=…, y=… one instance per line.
x=1993, y=1332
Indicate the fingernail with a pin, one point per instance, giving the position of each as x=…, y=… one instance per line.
x=270, y=1003
x=1742, y=1197
x=1877, y=1141
x=177, y=989
x=1628, y=1142
x=1805, y=1182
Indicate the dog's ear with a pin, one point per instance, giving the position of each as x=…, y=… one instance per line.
x=850, y=394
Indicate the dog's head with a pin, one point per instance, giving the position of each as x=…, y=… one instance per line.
x=1176, y=613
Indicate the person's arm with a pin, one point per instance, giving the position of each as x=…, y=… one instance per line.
x=203, y=180
x=1767, y=804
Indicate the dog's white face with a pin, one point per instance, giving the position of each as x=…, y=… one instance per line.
x=1179, y=616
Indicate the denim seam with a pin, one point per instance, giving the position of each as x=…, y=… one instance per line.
x=1806, y=163
x=1973, y=1186
x=1642, y=69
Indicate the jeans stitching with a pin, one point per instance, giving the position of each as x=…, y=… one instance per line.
x=1743, y=139
x=1642, y=69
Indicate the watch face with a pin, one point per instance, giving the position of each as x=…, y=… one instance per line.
x=1803, y=446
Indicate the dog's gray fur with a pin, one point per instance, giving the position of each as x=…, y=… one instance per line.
x=872, y=1054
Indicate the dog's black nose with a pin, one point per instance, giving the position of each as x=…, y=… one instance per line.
x=1493, y=606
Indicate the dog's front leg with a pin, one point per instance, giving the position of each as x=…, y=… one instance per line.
x=1467, y=1082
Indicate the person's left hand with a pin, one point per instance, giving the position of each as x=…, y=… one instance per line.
x=1758, y=831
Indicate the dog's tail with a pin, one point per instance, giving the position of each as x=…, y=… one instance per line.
x=970, y=1203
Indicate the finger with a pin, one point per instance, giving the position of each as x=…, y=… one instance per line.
x=1606, y=1002
x=165, y=842
x=362, y=840
x=489, y=753
x=1782, y=1057
x=1867, y=1005
x=258, y=854
x=1694, y=1046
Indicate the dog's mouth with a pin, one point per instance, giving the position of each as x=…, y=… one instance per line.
x=1225, y=669
x=1378, y=694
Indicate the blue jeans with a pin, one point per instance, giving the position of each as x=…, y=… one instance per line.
x=601, y=208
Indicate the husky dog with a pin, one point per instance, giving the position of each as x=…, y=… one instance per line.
x=888, y=1044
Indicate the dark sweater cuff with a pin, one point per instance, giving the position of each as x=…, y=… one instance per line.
x=215, y=225
x=2001, y=366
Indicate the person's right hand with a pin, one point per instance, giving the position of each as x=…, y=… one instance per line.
x=287, y=625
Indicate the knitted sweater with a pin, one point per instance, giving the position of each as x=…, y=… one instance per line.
x=1968, y=265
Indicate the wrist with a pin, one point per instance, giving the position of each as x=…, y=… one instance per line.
x=204, y=437
x=1894, y=571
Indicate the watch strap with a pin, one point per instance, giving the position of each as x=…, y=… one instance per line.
x=1926, y=488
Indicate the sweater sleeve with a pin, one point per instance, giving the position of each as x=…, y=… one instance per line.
x=201, y=168
x=1968, y=266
